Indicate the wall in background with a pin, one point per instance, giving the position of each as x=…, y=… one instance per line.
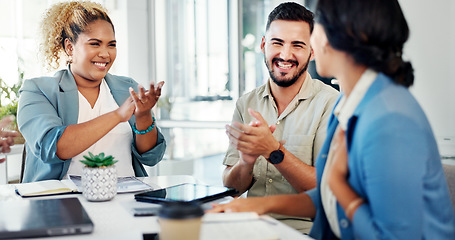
x=431, y=48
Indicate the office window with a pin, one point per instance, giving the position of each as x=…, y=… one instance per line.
x=192, y=47
x=17, y=40
x=192, y=57
x=254, y=17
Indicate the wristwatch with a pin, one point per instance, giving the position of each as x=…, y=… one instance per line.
x=276, y=156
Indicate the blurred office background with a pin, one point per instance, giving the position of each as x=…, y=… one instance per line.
x=208, y=53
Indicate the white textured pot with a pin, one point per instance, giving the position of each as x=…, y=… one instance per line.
x=100, y=183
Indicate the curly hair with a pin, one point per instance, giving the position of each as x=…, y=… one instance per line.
x=66, y=20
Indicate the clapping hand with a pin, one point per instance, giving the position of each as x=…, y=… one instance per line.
x=145, y=100
x=252, y=139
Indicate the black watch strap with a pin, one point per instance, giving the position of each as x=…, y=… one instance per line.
x=276, y=156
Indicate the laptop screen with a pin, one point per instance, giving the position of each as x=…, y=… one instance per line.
x=41, y=218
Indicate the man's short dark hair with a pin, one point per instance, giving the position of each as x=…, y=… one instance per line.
x=291, y=11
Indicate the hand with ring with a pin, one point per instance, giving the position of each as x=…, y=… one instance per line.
x=146, y=99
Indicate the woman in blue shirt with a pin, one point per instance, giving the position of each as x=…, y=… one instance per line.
x=84, y=108
x=379, y=173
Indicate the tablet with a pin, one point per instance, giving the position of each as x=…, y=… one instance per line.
x=187, y=192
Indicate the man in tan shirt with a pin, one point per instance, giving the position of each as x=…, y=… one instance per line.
x=279, y=159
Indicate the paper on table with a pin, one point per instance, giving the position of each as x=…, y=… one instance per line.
x=124, y=184
x=229, y=217
x=227, y=226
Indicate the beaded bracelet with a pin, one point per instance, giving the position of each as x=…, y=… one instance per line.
x=146, y=130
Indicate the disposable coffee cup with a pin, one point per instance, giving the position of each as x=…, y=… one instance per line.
x=180, y=220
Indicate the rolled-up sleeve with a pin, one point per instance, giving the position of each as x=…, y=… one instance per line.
x=154, y=155
x=232, y=154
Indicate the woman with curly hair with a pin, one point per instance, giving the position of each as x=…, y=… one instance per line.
x=379, y=173
x=84, y=108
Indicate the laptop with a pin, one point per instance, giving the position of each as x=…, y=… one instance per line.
x=43, y=218
x=187, y=192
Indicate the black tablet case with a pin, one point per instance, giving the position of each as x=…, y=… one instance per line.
x=187, y=192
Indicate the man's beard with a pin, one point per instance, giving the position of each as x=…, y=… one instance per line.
x=290, y=82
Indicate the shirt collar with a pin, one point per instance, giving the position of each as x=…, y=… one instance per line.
x=347, y=105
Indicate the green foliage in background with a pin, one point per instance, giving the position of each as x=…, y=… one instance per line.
x=10, y=109
x=12, y=94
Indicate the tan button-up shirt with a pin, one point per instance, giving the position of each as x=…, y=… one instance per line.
x=302, y=125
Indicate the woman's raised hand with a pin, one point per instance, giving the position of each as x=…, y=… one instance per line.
x=144, y=100
x=126, y=110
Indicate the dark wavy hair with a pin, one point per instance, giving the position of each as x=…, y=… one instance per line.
x=291, y=11
x=373, y=32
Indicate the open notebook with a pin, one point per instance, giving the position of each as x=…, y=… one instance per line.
x=46, y=188
x=74, y=185
x=43, y=218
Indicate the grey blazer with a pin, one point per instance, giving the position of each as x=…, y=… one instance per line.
x=47, y=105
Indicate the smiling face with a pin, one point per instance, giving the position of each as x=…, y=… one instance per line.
x=287, y=51
x=93, y=53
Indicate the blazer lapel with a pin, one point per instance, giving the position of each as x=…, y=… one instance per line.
x=332, y=126
x=379, y=83
x=120, y=91
x=68, y=104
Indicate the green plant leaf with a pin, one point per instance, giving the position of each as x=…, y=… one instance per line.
x=109, y=163
x=98, y=160
x=89, y=164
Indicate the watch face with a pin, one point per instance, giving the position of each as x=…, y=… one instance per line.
x=276, y=157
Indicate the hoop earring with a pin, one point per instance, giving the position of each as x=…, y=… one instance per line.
x=70, y=59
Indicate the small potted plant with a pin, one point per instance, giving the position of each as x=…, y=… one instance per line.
x=99, y=177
